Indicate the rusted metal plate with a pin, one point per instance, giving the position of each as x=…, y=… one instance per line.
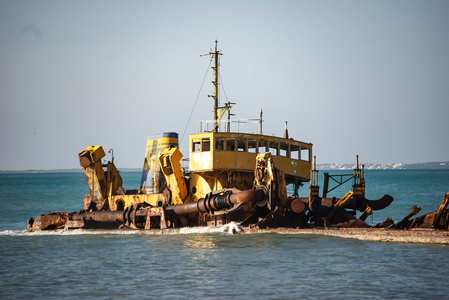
x=49, y=221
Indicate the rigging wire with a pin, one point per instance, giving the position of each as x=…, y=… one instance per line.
x=196, y=100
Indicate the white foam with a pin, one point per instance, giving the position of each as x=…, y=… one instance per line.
x=231, y=228
x=12, y=232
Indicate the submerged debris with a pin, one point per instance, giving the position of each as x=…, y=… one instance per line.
x=435, y=220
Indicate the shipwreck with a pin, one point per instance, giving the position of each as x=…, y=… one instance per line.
x=251, y=179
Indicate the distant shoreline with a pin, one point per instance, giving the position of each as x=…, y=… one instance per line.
x=77, y=170
x=444, y=165
x=440, y=165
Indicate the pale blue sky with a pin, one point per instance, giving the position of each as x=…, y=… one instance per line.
x=352, y=77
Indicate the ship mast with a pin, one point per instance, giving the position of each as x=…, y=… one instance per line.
x=215, y=55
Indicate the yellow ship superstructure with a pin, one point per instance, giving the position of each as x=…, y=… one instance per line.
x=227, y=159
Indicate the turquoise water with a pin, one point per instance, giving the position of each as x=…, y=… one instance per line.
x=210, y=264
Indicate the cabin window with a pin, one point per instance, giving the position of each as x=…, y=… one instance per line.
x=263, y=146
x=294, y=152
x=274, y=148
x=205, y=145
x=252, y=146
x=196, y=146
x=283, y=148
x=241, y=145
x=230, y=145
x=220, y=144
x=305, y=154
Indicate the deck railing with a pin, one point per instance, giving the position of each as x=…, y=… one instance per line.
x=234, y=125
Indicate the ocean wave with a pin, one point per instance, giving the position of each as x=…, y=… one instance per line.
x=231, y=228
x=12, y=232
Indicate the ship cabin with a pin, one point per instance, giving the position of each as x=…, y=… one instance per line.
x=214, y=152
x=226, y=158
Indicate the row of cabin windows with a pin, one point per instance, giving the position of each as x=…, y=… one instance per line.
x=253, y=146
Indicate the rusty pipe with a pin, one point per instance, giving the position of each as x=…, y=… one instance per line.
x=247, y=196
x=381, y=203
x=99, y=216
x=215, y=202
x=361, y=203
x=183, y=209
x=296, y=205
x=301, y=204
x=314, y=203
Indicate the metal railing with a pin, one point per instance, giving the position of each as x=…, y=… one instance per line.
x=234, y=125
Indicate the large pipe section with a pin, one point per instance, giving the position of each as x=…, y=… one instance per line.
x=98, y=216
x=218, y=201
x=298, y=205
x=361, y=203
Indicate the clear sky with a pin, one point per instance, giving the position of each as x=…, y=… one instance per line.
x=351, y=77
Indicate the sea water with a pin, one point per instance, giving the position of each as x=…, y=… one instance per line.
x=213, y=263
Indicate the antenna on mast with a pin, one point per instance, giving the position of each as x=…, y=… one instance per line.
x=228, y=106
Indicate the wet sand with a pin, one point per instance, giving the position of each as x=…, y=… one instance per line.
x=422, y=236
